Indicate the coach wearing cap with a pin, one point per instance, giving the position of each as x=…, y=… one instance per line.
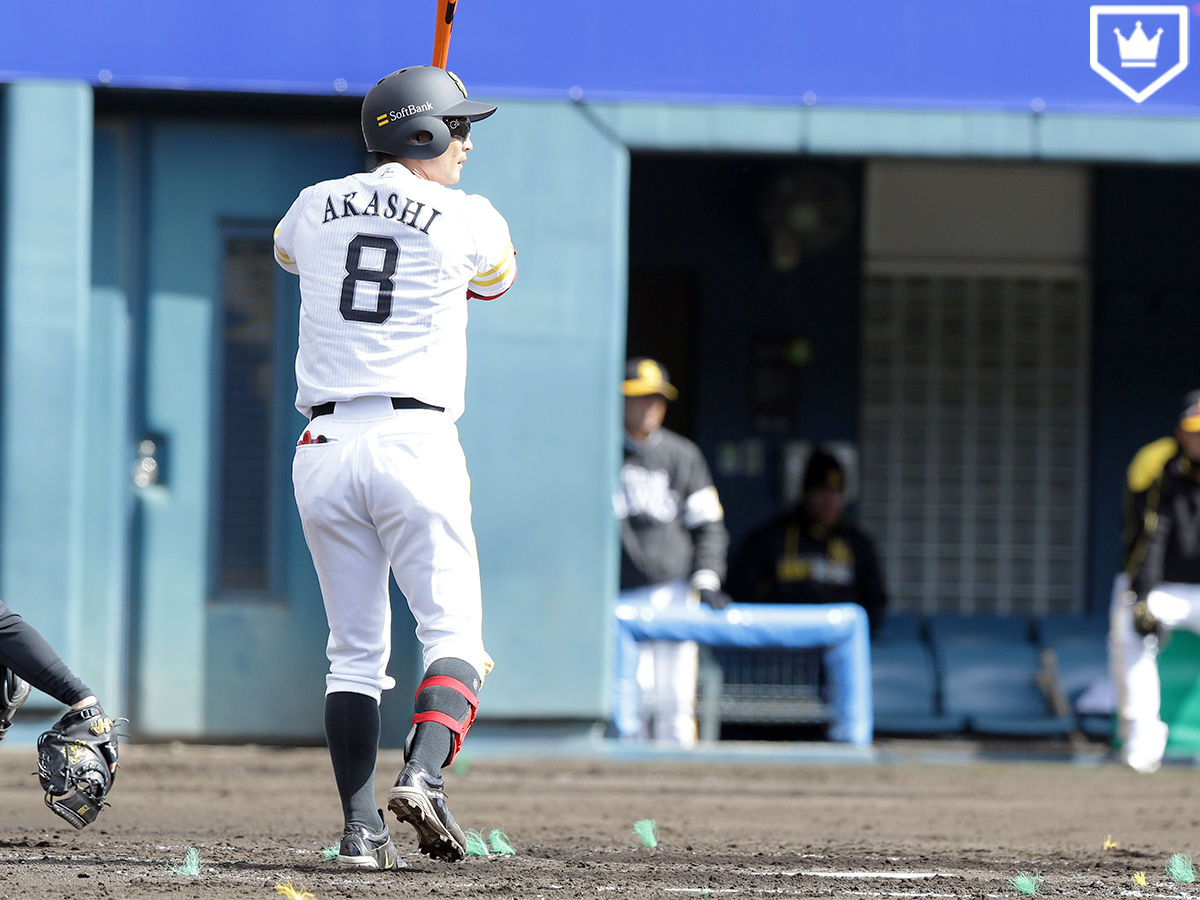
x=673, y=546
x=1161, y=579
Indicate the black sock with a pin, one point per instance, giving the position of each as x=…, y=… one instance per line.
x=432, y=743
x=352, y=732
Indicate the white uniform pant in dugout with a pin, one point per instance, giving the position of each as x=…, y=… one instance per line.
x=666, y=672
x=1135, y=666
x=384, y=488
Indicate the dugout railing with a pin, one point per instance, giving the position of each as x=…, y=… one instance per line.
x=839, y=632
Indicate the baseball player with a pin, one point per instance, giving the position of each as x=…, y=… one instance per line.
x=76, y=782
x=1159, y=589
x=673, y=546
x=387, y=261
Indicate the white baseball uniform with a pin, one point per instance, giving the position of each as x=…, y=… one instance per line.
x=1134, y=658
x=387, y=262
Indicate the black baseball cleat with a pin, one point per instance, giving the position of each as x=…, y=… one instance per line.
x=419, y=799
x=13, y=692
x=363, y=849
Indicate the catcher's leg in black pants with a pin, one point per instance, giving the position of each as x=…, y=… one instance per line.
x=30, y=656
x=77, y=756
x=433, y=744
x=352, y=732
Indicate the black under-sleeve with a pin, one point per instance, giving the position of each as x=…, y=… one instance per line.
x=868, y=580
x=1152, y=531
x=712, y=543
x=26, y=652
x=710, y=538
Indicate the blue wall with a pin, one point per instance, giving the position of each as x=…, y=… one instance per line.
x=541, y=431
x=932, y=55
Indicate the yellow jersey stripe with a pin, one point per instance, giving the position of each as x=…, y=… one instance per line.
x=507, y=256
x=482, y=283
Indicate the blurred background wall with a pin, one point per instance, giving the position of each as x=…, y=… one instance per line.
x=943, y=237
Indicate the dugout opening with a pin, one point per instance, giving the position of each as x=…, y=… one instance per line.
x=932, y=318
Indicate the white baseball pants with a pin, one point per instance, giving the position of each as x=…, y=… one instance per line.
x=666, y=672
x=389, y=488
x=1135, y=666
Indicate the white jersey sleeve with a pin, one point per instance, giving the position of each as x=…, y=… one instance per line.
x=285, y=232
x=495, y=257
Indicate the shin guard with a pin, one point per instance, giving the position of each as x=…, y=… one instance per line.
x=447, y=700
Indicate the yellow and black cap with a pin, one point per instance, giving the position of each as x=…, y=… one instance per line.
x=645, y=377
x=1189, y=419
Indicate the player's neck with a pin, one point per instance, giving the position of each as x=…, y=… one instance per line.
x=413, y=167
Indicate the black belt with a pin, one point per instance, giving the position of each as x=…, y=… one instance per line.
x=325, y=409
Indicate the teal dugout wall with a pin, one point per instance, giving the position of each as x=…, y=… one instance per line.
x=542, y=426
x=62, y=565
x=209, y=666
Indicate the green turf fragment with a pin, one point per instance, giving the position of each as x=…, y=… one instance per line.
x=646, y=831
x=500, y=843
x=191, y=864
x=1026, y=882
x=475, y=844
x=1180, y=868
x=461, y=764
x=331, y=852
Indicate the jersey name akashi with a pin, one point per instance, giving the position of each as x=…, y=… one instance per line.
x=387, y=263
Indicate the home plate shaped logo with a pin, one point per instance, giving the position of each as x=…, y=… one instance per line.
x=1138, y=49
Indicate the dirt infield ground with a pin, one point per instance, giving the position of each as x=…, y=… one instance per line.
x=260, y=817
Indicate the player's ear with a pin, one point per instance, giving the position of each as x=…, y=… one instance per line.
x=421, y=137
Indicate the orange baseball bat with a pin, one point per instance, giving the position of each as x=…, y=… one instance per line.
x=441, y=33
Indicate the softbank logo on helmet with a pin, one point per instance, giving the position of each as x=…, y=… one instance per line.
x=403, y=112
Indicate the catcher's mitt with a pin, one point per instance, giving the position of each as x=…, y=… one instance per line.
x=74, y=760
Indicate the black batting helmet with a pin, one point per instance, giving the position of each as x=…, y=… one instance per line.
x=416, y=99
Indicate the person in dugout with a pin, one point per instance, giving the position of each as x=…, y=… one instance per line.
x=811, y=554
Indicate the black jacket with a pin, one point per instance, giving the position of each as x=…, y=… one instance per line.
x=672, y=524
x=792, y=559
x=1162, y=518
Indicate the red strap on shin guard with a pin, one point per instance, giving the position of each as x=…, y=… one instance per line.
x=457, y=729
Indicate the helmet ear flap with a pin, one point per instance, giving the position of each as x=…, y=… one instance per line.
x=407, y=146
